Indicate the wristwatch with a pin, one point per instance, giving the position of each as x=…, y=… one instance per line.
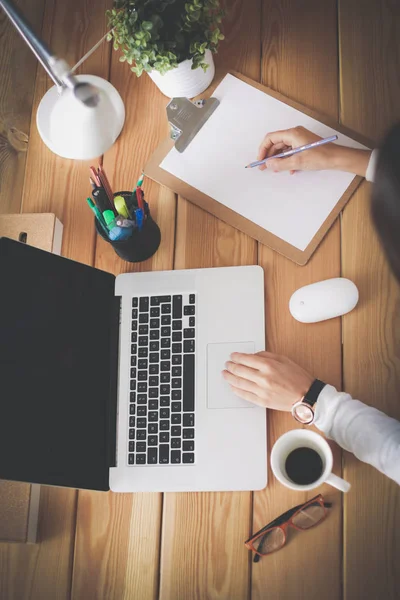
x=303, y=410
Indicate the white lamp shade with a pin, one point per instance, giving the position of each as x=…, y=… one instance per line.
x=73, y=130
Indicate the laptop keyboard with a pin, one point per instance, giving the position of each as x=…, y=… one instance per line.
x=162, y=382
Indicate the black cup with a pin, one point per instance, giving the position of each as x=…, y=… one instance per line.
x=142, y=244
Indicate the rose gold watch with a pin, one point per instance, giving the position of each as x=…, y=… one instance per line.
x=303, y=410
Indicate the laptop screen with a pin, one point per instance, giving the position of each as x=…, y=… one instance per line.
x=58, y=323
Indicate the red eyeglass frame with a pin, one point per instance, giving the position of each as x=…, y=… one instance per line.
x=276, y=523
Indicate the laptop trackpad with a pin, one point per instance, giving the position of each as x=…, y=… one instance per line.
x=219, y=394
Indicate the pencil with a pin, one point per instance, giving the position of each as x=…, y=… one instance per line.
x=106, y=185
x=287, y=153
x=94, y=176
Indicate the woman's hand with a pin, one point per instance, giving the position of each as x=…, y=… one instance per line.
x=328, y=156
x=267, y=379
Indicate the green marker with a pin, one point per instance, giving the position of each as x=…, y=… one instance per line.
x=108, y=216
x=97, y=214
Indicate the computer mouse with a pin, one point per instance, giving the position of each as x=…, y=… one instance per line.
x=323, y=300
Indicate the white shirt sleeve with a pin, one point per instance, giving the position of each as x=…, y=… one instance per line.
x=368, y=433
x=371, y=169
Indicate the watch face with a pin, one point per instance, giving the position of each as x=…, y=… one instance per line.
x=303, y=413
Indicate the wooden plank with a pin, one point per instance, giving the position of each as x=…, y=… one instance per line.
x=202, y=554
x=18, y=69
x=370, y=103
x=117, y=546
x=53, y=184
x=299, y=60
x=120, y=558
x=42, y=571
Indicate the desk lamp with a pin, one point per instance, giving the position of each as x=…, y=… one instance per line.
x=81, y=116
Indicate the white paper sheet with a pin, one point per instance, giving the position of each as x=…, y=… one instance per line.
x=293, y=207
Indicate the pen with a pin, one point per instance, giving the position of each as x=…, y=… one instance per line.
x=139, y=218
x=294, y=151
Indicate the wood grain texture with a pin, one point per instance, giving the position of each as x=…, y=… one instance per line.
x=42, y=571
x=117, y=546
x=121, y=559
x=18, y=71
x=370, y=103
x=204, y=533
x=300, y=61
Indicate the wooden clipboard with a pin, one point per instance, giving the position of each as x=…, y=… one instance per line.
x=154, y=171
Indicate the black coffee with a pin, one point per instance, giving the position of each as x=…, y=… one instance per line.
x=304, y=466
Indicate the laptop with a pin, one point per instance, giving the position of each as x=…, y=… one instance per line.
x=115, y=383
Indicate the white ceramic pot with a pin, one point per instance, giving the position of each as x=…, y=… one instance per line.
x=185, y=81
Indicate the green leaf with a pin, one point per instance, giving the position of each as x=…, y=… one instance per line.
x=158, y=34
x=138, y=70
x=133, y=17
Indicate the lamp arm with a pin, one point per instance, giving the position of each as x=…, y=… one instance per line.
x=57, y=68
x=38, y=47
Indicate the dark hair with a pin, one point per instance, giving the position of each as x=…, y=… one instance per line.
x=385, y=204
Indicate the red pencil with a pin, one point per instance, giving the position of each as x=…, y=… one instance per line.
x=139, y=198
x=94, y=176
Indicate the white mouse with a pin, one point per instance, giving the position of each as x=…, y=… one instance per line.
x=323, y=300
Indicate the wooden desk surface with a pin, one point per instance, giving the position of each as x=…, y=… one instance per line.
x=341, y=57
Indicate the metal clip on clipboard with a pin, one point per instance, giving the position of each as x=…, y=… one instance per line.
x=186, y=118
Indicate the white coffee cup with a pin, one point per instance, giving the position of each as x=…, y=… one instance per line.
x=302, y=438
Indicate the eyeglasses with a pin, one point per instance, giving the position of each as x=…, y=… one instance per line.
x=272, y=537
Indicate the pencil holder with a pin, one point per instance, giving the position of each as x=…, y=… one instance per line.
x=142, y=244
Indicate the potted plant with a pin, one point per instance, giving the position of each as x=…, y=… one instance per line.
x=171, y=40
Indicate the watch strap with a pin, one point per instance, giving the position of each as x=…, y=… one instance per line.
x=312, y=395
